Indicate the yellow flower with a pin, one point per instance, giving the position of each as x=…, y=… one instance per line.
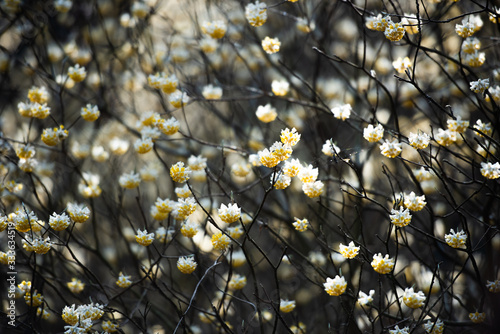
x=220, y=241
x=237, y=282
x=282, y=182
x=271, y=45
x=129, y=180
x=394, y=31
x=75, y=286
x=477, y=317
x=168, y=127
x=144, y=238
x=179, y=173
x=413, y=299
x=373, y=134
x=90, y=113
x=301, y=225
x=342, y=112
x=349, y=252
x=123, y=281
x=215, y=29
x=266, y=113
x=38, y=95
x=335, y=286
x=413, y=202
x=79, y=213
x=313, y=189
x=455, y=240
x=400, y=218
x=189, y=229
x=289, y=137
x=230, y=213
x=256, y=13
x=287, y=306
x=35, y=300
x=185, y=207
x=268, y=159
x=457, y=125
x=434, y=327
x=143, y=145
x=235, y=231
x=280, y=88
x=165, y=205
x=391, y=149
x=178, y=99
x=77, y=73
x=382, y=265
x=292, y=167
x=402, y=64
x=419, y=140
x=308, y=174
x=109, y=327
x=210, y=92
x=186, y=265
x=59, y=222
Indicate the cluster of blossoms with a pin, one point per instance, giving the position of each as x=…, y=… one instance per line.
x=342, y=112
x=350, y=251
x=256, y=13
x=382, y=265
x=301, y=225
x=80, y=319
x=456, y=240
x=392, y=31
x=186, y=265
x=413, y=299
x=335, y=286
x=401, y=217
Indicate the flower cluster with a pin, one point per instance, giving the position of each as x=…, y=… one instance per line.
x=335, y=286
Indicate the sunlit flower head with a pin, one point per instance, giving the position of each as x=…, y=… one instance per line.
x=59, y=222
x=280, y=88
x=289, y=137
x=480, y=86
x=179, y=173
x=186, y=264
x=123, y=281
x=281, y=182
x=292, y=167
x=413, y=299
x=230, y=213
x=301, y=225
x=266, y=113
x=237, y=282
x=335, y=286
x=144, y=238
x=220, y=241
x=216, y=29
x=210, y=92
x=271, y=45
x=313, y=189
x=373, y=134
x=436, y=327
x=77, y=73
x=329, y=148
x=391, y=149
x=490, y=171
x=75, y=286
x=457, y=125
x=342, y=112
x=350, y=251
x=394, y=31
x=382, y=265
x=129, y=180
x=256, y=13
x=287, y=306
x=419, y=140
x=414, y=202
x=402, y=64
x=455, y=239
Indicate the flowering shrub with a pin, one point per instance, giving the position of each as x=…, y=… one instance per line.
x=156, y=156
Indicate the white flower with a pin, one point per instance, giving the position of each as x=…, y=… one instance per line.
x=329, y=148
x=365, y=299
x=342, y=112
x=480, y=85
